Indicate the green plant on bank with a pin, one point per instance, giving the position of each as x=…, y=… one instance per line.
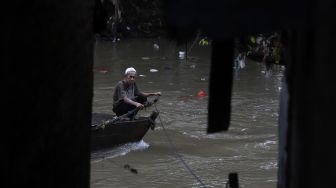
x=204, y=42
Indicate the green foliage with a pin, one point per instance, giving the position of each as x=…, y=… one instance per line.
x=203, y=42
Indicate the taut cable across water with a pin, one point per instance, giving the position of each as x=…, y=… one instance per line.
x=178, y=156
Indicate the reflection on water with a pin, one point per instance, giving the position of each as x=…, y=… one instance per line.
x=248, y=148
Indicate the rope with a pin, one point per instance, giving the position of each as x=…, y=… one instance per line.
x=178, y=156
x=194, y=42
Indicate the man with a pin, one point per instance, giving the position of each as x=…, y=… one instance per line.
x=127, y=96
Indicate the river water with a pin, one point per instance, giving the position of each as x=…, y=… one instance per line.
x=179, y=152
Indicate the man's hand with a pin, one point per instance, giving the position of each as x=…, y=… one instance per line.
x=139, y=105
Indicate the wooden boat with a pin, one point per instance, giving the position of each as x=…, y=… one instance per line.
x=108, y=131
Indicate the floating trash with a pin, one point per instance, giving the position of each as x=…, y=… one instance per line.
x=202, y=78
x=156, y=46
x=153, y=70
x=145, y=58
x=181, y=54
x=201, y=93
x=103, y=71
x=241, y=64
x=142, y=75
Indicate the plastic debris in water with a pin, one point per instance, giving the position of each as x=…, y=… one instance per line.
x=181, y=54
x=153, y=70
x=128, y=167
x=201, y=93
x=101, y=69
x=156, y=46
x=141, y=75
x=145, y=58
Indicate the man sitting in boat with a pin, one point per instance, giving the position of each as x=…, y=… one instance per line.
x=127, y=96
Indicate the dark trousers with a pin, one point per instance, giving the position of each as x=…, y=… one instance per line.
x=122, y=108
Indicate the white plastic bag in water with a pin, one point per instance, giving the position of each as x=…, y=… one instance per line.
x=153, y=70
x=241, y=63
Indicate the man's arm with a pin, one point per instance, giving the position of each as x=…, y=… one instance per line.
x=151, y=94
x=134, y=103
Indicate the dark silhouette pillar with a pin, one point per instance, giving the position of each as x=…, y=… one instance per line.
x=221, y=76
x=46, y=87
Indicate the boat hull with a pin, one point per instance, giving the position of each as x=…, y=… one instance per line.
x=114, y=134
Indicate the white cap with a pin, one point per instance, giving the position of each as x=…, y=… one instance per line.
x=130, y=69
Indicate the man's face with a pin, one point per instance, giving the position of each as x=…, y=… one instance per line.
x=131, y=77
